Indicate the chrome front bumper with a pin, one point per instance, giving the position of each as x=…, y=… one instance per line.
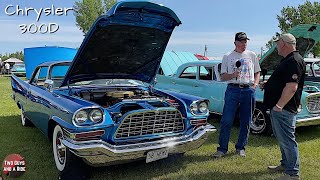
x=308, y=121
x=100, y=153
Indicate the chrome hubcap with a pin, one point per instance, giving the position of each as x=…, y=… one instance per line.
x=61, y=149
x=258, y=121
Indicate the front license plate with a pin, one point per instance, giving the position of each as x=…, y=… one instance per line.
x=156, y=155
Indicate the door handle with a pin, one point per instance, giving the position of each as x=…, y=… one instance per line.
x=195, y=86
x=174, y=82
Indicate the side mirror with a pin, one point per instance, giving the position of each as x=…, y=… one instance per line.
x=48, y=84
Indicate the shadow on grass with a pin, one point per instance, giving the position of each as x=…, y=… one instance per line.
x=164, y=169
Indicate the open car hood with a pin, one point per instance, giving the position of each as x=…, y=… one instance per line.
x=126, y=43
x=307, y=36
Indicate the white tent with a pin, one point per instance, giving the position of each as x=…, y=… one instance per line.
x=13, y=60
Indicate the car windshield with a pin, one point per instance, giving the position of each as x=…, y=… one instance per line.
x=110, y=82
x=58, y=72
x=18, y=66
x=316, y=68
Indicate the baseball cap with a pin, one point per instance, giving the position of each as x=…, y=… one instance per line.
x=241, y=36
x=287, y=37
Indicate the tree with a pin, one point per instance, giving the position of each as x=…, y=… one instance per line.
x=87, y=11
x=18, y=55
x=108, y=4
x=307, y=13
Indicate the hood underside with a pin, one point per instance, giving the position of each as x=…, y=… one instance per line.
x=127, y=43
x=306, y=35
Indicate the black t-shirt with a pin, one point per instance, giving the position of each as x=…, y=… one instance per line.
x=291, y=69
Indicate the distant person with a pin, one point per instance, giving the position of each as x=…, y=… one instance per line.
x=7, y=67
x=282, y=95
x=241, y=69
x=1, y=67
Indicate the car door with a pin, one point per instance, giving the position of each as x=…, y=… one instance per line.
x=220, y=89
x=36, y=94
x=210, y=88
x=185, y=82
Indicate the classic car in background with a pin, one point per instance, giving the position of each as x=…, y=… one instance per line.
x=202, y=78
x=312, y=80
x=102, y=106
x=18, y=70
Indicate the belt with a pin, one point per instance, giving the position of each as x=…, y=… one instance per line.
x=239, y=85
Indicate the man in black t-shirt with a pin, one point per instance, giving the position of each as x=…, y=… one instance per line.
x=282, y=96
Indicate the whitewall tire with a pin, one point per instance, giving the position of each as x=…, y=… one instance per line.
x=59, y=150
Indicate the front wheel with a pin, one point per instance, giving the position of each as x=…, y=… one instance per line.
x=63, y=158
x=260, y=123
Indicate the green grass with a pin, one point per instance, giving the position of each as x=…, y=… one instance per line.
x=198, y=164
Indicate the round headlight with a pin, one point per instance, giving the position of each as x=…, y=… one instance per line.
x=203, y=107
x=96, y=115
x=194, y=107
x=81, y=117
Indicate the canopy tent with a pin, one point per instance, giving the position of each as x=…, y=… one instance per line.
x=13, y=60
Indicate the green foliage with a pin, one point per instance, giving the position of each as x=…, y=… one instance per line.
x=18, y=55
x=109, y=3
x=87, y=11
x=307, y=13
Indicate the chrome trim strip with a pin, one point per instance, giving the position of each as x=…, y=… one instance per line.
x=308, y=121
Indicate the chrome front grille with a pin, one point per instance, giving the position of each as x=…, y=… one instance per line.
x=150, y=122
x=313, y=103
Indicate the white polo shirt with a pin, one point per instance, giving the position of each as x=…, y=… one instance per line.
x=249, y=66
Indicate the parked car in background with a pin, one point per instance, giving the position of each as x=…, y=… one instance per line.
x=18, y=70
x=312, y=80
x=202, y=78
x=102, y=107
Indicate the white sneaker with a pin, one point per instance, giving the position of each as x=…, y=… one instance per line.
x=241, y=152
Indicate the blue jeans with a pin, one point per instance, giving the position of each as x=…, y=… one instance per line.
x=283, y=126
x=244, y=99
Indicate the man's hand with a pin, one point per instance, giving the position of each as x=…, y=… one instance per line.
x=236, y=74
x=275, y=108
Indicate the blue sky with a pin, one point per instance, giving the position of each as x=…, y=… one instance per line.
x=204, y=22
